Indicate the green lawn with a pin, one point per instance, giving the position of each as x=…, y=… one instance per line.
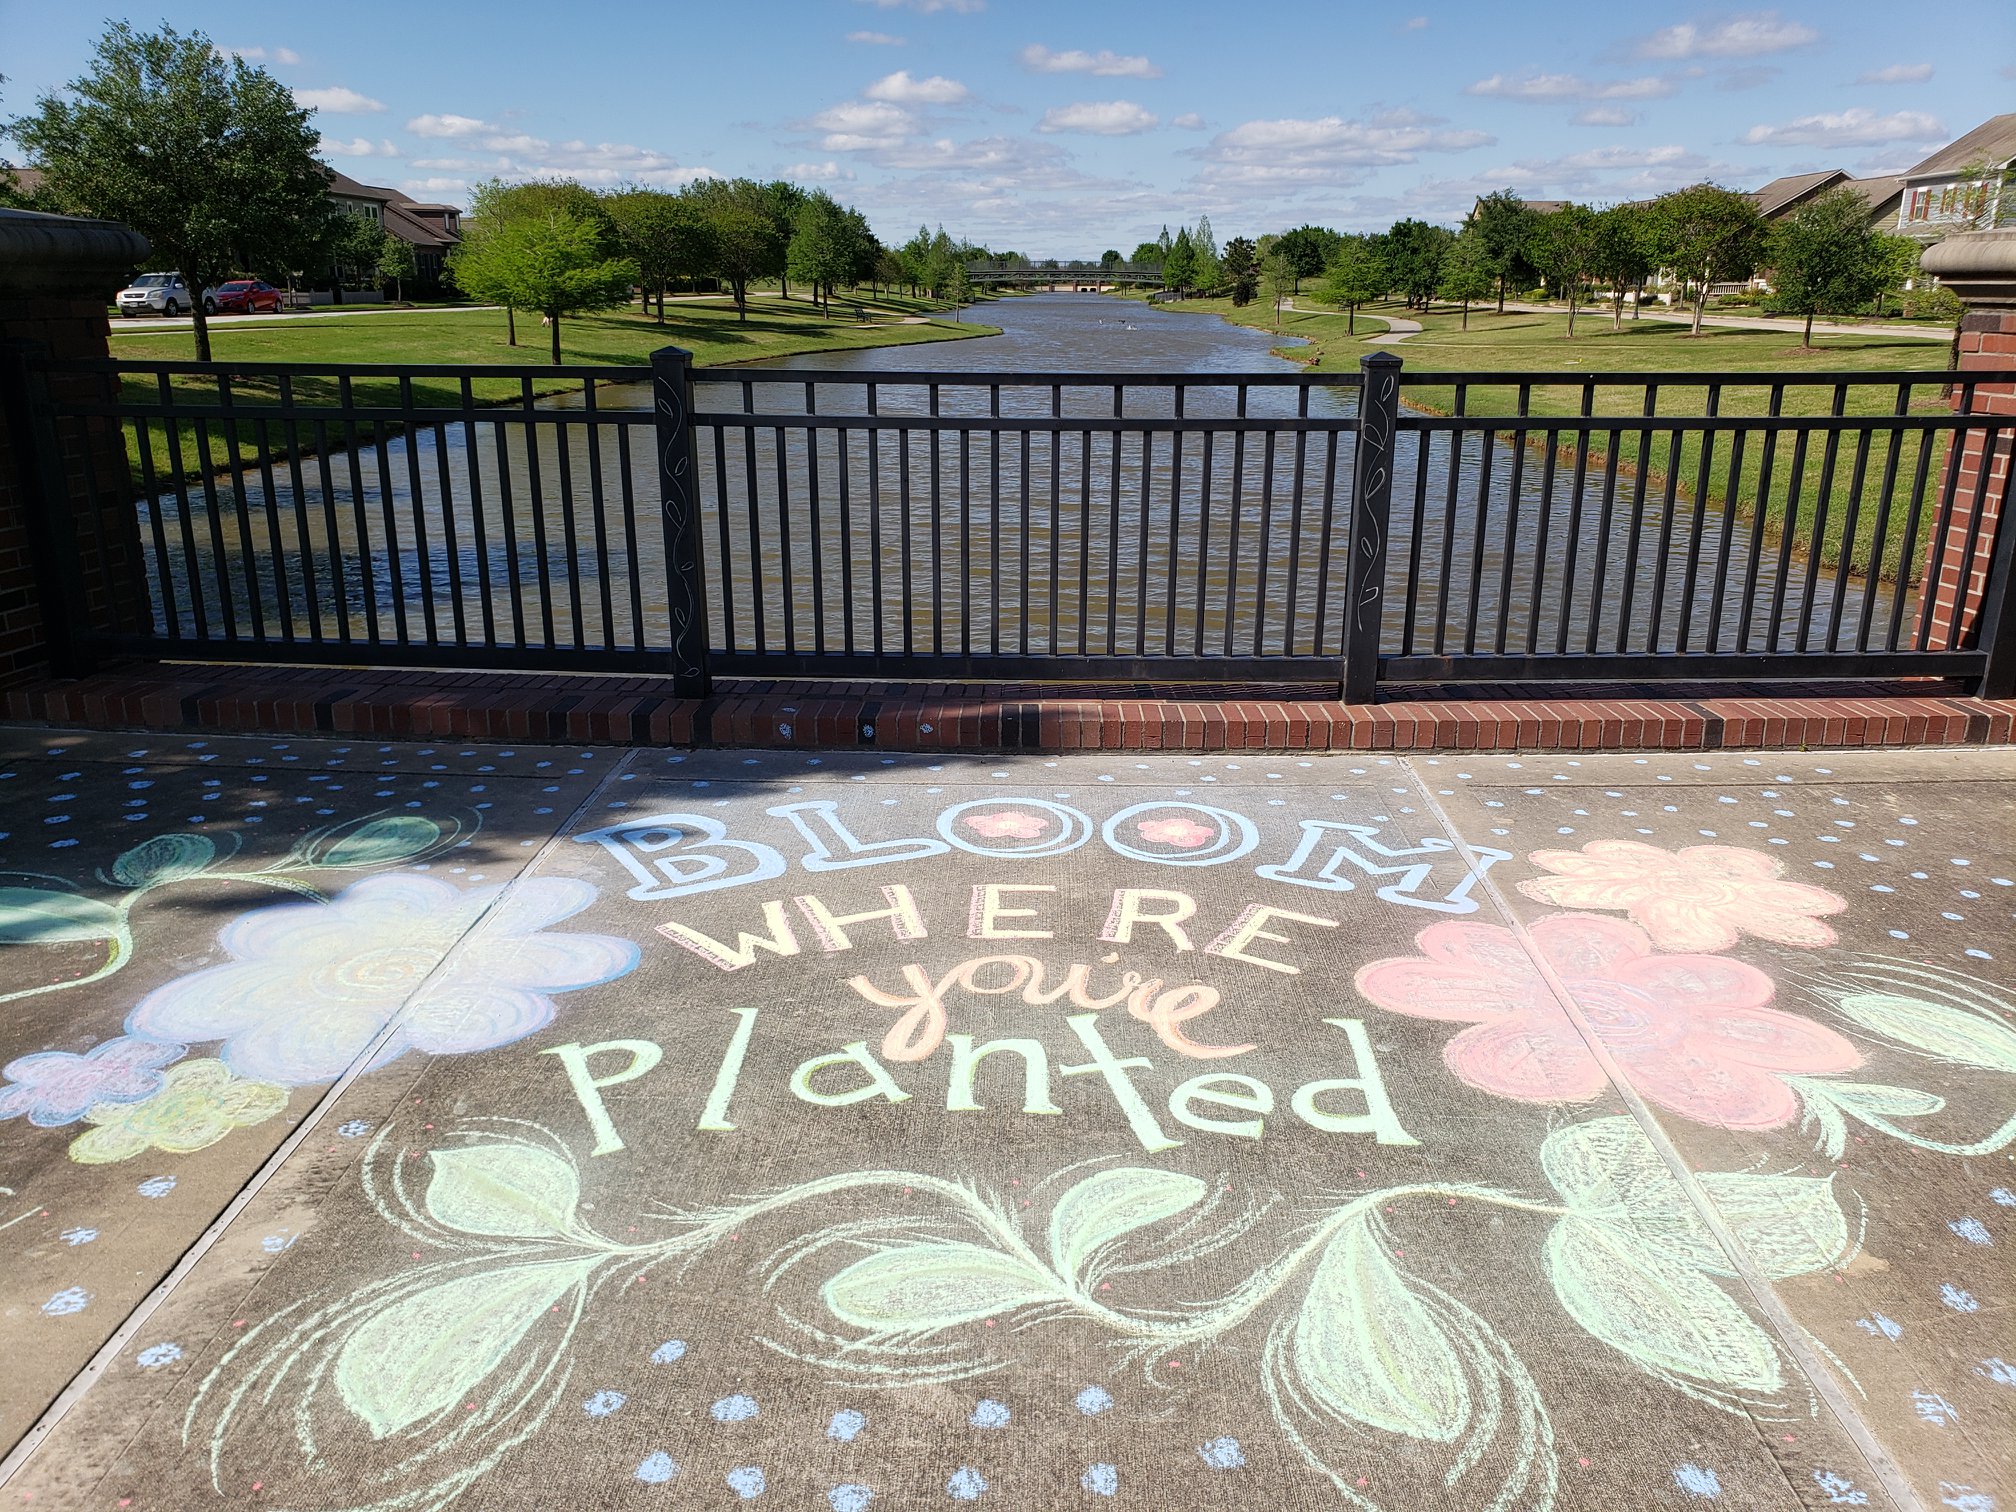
x=775, y=328
x=1537, y=343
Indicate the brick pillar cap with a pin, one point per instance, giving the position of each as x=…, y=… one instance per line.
x=1979, y=266
x=61, y=254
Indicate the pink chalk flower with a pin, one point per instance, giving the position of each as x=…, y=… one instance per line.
x=1185, y=834
x=1008, y=824
x=1694, y=1034
x=1702, y=898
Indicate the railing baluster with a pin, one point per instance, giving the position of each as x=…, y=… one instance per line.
x=415, y=498
x=1574, y=546
x=479, y=532
x=1519, y=440
x=1238, y=517
x=1635, y=531
x=1698, y=522
x=1289, y=637
x=535, y=485
x=598, y=510
x=1879, y=533
x=816, y=534
x=1758, y=516
x=303, y=536
x=1823, y=507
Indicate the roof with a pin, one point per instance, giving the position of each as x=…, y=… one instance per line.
x=413, y=228
x=1877, y=192
x=27, y=180
x=1781, y=194
x=349, y=188
x=1993, y=141
x=411, y=206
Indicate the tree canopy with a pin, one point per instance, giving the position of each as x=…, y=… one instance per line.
x=1706, y=233
x=211, y=160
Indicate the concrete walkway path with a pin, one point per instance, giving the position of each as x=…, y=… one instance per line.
x=1398, y=327
x=1754, y=322
x=511, y=1127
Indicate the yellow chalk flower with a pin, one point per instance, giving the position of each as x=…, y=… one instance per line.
x=200, y=1101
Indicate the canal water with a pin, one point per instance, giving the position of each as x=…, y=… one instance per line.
x=1061, y=537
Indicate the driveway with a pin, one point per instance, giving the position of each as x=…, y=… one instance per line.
x=430, y=1125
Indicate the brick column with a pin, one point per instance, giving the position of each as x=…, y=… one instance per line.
x=1980, y=267
x=69, y=540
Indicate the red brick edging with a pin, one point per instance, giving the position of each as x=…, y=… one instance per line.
x=1020, y=717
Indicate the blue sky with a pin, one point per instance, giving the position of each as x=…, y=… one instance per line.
x=1061, y=129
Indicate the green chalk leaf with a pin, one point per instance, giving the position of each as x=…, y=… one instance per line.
x=507, y=1190
x=1112, y=1204
x=425, y=1353
x=1367, y=1349
x=1953, y=1034
x=1665, y=1315
x=37, y=916
x=922, y=1288
x=378, y=842
x=1788, y=1225
x=1606, y=1169
x=165, y=858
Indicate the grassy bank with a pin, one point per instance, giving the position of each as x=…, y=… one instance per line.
x=775, y=328
x=1536, y=343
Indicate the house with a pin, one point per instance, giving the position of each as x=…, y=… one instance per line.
x=432, y=230
x=1965, y=185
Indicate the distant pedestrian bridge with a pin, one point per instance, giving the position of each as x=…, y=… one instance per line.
x=1063, y=275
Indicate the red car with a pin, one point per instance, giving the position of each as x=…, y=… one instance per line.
x=245, y=296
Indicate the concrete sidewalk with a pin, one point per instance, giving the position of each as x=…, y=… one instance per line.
x=497, y=1126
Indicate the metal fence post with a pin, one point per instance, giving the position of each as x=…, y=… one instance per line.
x=679, y=513
x=1371, y=504
x=48, y=519
x=1997, y=624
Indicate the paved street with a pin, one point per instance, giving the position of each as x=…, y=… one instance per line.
x=505, y=1127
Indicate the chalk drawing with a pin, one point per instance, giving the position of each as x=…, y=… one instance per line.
x=199, y=1102
x=845, y=1425
x=656, y=1468
x=668, y=1352
x=1960, y=1301
x=54, y=1087
x=746, y=1481
x=678, y=855
x=1354, y=1340
x=852, y=1497
x=966, y=1484
x=1934, y=1409
x=1839, y=1490
x=1697, y=1480
x=1973, y=1230
x=1702, y=898
x=1361, y=849
x=1101, y=1480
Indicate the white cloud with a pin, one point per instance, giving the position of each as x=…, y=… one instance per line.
x=828, y=172
x=1856, y=127
x=448, y=126
x=931, y=7
x=1562, y=86
x=1745, y=36
x=1330, y=150
x=1897, y=73
x=337, y=100
x=286, y=56
x=1109, y=65
x=361, y=147
x=863, y=126
x=1099, y=118
x=1416, y=23
x=1606, y=115
x=1188, y=121
x=874, y=39
x=899, y=88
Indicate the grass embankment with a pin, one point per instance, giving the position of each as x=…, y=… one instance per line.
x=775, y=328
x=1536, y=343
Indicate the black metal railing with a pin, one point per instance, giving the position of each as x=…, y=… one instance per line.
x=1385, y=526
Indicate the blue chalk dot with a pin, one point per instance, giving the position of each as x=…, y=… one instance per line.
x=746, y=1481
x=1958, y=1300
x=1973, y=1230
x=1100, y=1480
x=849, y=1498
x=159, y=1354
x=2002, y=1197
x=656, y=1468
x=670, y=1350
x=1698, y=1481
x=734, y=1409
x=1094, y=1400
x=603, y=1403
x=156, y=1186
x=966, y=1484
x=990, y=1414
x=1222, y=1454
x=846, y=1425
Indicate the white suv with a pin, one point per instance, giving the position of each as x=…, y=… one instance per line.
x=160, y=294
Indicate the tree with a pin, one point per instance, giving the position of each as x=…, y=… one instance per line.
x=1207, y=273
x=396, y=263
x=1826, y=258
x=1357, y=275
x=1507, y=226
x=747, y=244
x=1241, y=269
x=822, y=250
x=1466, y=271
x=1414, y=252
x=781, y=201
x=1109, y=257
x=664, y=234
x=1148, y=255
x=1707, y=233
x=554, y=264
x=1624, y=254
x=1179, y=264
x=1279, y=272
x=211, y=161
x=352, y=246
x=1567, y=252
x=1309, y=250
x=958, y=288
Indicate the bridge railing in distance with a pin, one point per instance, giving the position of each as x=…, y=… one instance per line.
x=1363, y=530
